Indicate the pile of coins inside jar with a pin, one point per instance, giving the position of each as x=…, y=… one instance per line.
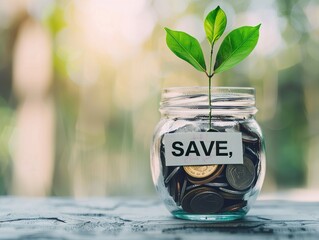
x=215, y=188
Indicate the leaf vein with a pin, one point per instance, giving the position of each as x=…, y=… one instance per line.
x=233, y=52
x=187, y=52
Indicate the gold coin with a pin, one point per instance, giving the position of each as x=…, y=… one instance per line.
x=200, y=171
x=208, y=179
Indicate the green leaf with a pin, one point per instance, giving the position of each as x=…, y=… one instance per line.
x=215, y=24
x=236, y=46
x=186, y=47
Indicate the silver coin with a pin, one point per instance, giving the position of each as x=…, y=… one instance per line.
x=241, y=176
x=216, y=184
x=233, y=191
x=249, y=132
x=249, y=139
x=246, y=128
x=251, y=154
x=230, y=196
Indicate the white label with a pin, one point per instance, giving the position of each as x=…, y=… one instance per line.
x=203, y=148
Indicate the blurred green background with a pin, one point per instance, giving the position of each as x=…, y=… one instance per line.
x=80, y=85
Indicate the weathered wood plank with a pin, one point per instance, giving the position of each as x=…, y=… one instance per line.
x=120, y=218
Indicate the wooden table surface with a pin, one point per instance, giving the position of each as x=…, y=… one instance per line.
x=127, y=218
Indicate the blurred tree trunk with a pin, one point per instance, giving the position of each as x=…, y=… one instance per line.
x=33, y=142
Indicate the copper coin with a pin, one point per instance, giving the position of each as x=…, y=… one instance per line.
x=187, y=198
x=178, y=191
x=241, y=176
x=206, y=202
x=200, y=171
x=202, y=200
x=234, y=207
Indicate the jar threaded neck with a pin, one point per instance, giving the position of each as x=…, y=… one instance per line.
x=190, y=101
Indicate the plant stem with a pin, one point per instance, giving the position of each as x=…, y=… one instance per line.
x=210, y=75
x=210, y=101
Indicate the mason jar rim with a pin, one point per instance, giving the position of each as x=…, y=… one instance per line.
x=194, y=100
x=238, y=89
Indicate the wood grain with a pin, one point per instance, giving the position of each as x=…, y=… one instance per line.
x=124, y=218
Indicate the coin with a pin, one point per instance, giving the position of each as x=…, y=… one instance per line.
x=183, y=189
x=187, y=198
x=216, y=184
x=212, y=130
x=231, y=196
x=178, y=191
x=249, y=153
x=249, y=139
x=200, y=181
x=200, y=171
x=208, y=179
x=172, y=174
x=241, y=176
x=255, y=159
x=233, y=191
x=233, y=128
x=234, y=207
x=206, y=202
x=162, y=156
x=172, y=188
x=210, y=184
x=192, y=187
x=202, y=200
x=248, y=130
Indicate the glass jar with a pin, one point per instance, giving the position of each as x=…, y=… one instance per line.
x=195, y=172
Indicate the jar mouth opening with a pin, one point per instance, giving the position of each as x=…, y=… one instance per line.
x=187, y=90
x=194, y=100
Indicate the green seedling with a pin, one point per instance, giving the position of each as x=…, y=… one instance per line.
x=235, y=47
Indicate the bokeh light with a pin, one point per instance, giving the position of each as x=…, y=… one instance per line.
x=81, y=82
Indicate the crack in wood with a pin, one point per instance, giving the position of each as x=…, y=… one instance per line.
x=126, y=218
x=33, y=219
